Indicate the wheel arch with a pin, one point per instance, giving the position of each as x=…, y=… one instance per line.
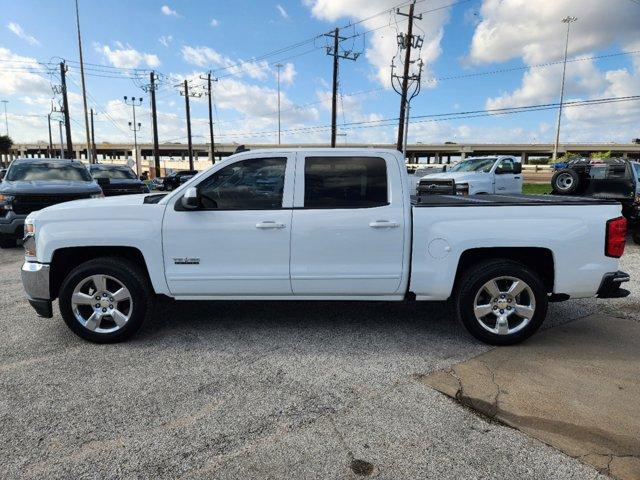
x=64, y=260
x=537, y=259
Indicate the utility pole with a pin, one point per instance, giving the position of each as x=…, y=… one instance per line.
x=84, y=90
x=279, y=66
x=568, y=20
x=94, y=150
x=61, y=140
x=65, y=109
x=6, y=119
x=50, y=150
x=135, y=102
x=415, y=92
x=154, y=120
x=209, y=93
x=185, y=93
x=335, y=53
x=406, y=42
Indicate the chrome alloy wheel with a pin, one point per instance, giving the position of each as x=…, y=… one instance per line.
x=564, y=181
x=101, y=304
x=504, y=305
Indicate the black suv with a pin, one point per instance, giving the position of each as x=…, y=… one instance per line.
x=32, y=184
x=117, y=179
x=176, y=179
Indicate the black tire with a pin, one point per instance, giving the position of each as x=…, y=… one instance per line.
x=565, y=181
x=7, y=242
x=125, y=272
x=470, y=286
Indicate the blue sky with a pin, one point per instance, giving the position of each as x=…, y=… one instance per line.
x=186, y=38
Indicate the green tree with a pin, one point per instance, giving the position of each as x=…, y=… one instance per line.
x=5, y=143
x=601, y=154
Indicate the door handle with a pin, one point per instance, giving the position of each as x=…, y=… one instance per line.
x=516, y=178
x=270, y=224
x=383, y=224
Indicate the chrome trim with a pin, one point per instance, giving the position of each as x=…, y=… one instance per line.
x=35, y=280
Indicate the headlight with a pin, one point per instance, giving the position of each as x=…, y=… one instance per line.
x=462, y=188
x=29, y=239
x=6, y=202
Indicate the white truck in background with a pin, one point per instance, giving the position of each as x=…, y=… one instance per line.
x=477, y=175
x=320, y=224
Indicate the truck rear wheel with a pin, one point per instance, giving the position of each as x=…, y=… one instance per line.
x=105, y=300
x=501, y=302
x=565, y=181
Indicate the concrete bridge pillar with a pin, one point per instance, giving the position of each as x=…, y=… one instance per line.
x=525, y=158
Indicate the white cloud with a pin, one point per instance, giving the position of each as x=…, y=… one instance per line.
x=282, y=11
x=167, y=10
x=288, y=74
x=17, y=30
x=214, y=22
x=125, y=56
x=382, y=42
x=14, y=78
x=165, y=40
x=205, y=56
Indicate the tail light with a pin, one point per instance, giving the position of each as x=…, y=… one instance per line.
x=616, y=237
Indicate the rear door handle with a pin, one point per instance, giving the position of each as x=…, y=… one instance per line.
x=383, y=224
x=269, y=224
x=516, y=178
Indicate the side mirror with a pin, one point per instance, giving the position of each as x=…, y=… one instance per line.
x=190, y=200
x=2, y=173
x=517, y=168
x=103, y=182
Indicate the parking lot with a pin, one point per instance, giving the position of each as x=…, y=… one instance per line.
x=258, y=390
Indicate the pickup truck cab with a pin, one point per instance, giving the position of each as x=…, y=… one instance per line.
x=117, y=179
x=478, y=175
x=31, y=184
x=320, y=224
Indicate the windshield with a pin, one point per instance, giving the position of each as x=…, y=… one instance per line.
x=118, y=173
x=47, y=172
x=474, y=165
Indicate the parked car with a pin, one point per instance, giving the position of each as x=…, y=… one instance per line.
x=157, y=183
x=117, y=179
x=611, y=178
x=478, y=175
x=329, y=224
x=175, y=179
x=32, y=184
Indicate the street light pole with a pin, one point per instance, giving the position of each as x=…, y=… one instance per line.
x=279, y=66
x=135, y=102
x=568, y=20
x=6, y=120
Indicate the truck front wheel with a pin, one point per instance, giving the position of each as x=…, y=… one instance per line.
x=501, y=302
x=105, y=300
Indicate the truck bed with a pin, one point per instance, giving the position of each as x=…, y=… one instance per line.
x=503, y=200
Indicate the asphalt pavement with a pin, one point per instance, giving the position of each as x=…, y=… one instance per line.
x=255, y=390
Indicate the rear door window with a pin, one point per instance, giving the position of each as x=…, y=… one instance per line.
x=345, y=182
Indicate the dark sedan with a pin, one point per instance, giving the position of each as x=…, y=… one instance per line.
x=117, y=179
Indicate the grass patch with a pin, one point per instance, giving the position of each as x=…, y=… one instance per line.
x=536, y=188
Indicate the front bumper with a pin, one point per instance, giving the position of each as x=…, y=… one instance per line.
x=610, y=286
x=12, y=225
x=35, y=280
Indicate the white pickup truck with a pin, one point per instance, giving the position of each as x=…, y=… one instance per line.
x=478, y=175
x=320, y=224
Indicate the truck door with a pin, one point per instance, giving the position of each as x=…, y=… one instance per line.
x=508, y=176
x=348, y=225
x=237, y=241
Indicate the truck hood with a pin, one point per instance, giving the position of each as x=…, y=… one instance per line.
x=109, y=208
x=48, y=187
x=460, y=177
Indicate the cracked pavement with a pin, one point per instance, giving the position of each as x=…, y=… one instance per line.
x=257, y=390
